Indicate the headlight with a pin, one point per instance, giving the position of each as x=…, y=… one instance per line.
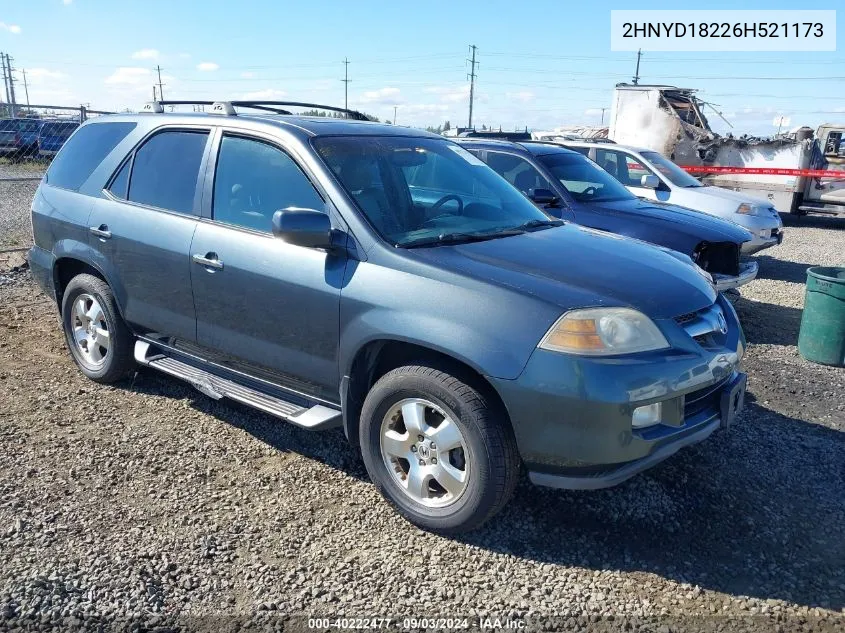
x=747, y=209
x=603, y=332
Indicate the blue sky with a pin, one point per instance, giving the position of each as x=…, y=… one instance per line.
x=542, y=64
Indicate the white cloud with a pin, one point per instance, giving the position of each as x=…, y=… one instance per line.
x=67, y=2
x=207, y=67
x=145, y=53
x=130, y=76
x=268, y=94
x=425, y=108
x=455, y=95
x=11, y=28
x=593, y=111
x=43, y=75
x=382, y=96
x=248, y=75
x=523, y=95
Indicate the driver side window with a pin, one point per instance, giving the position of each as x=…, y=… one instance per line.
x=518, y=172
x=253, y=180
x=624, y=167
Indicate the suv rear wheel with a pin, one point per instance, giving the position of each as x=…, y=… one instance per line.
x=98, y=339
x=437, y=449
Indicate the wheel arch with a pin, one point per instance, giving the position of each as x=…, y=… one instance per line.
x=67, y=266
x=377, y=357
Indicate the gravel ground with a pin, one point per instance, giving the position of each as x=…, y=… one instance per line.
x=147, y=502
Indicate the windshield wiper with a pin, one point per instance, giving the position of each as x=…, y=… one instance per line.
x=536, y=224
x=455, y=238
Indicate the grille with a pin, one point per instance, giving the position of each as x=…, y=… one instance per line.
x=718, y=259
x=705, y=326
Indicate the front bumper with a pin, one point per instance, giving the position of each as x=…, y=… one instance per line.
x=572, y=416
x=766, y=231
x=747, y=272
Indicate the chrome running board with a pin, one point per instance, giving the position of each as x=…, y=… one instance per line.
x=316, y=418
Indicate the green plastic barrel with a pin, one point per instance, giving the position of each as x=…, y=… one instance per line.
x=822, y=335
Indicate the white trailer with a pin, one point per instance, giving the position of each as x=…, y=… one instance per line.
x=670, y=120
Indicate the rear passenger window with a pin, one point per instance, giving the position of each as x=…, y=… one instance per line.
x=165, y=170
x=254, y=180
x=83, y=153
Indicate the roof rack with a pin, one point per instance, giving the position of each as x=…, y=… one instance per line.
x=227, y=108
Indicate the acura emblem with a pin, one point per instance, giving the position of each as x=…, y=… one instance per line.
x=723, y=325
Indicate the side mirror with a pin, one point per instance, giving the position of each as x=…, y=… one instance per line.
x=303, y=227
x=650, y=181
x=542, y=196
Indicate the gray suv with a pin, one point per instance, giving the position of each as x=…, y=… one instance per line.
x=337, y=272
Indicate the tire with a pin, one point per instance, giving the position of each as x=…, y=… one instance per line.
x=487, y=457
x=105, y=363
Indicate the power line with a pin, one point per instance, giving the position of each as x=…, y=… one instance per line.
x=471, y=83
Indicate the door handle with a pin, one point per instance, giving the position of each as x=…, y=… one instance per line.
x=101, y=231
x=209, y=260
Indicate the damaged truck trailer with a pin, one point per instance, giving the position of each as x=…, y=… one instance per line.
x=801, y=172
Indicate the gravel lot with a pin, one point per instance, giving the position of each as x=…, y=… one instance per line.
x=147, y=502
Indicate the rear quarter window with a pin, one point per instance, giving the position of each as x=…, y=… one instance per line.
x=83, y=153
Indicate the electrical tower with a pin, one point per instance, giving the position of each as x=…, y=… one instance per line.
x=345, y=81
x=637, y=72
x=472, y=77
x=5, y=76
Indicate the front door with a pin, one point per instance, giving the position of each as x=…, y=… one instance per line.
x=265, y=307
x=629, y=171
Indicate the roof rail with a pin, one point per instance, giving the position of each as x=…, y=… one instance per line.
x=228, y=107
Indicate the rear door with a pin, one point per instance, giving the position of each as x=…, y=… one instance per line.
x=264, y=307
x=144, y=226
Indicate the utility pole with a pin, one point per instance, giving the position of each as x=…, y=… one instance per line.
x=13, y=101
x=5, y=77
x=472, y=76
x=160, y=91
x=345, y=81
x=637, y=72
x=154, y=93
x=25, y=86
x=602, y=115
x=394, y=115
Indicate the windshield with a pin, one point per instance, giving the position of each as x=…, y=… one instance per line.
x=416, y=191
x=583, y=179
x=670, y=170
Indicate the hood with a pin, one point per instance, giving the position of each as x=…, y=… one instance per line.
x=573, y=266
x=700, y=225
x=730, y=196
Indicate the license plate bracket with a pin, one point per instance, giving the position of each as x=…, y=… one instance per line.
x=733, y=400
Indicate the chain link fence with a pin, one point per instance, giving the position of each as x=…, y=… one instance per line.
x=29, y=138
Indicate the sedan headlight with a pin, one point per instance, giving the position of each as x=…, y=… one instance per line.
x=603, y=332
x=748, y=209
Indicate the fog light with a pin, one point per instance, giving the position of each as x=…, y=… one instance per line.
x=646, y=416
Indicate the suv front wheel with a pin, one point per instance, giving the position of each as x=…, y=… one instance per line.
x=98, y=339
x=437, y=449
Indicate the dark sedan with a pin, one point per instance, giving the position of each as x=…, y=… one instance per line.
x=570, y=186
